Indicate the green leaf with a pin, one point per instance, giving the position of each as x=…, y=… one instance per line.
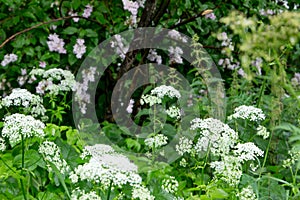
x=91, y=33
x=32, y=159
x=218, y=193
x=70, y=30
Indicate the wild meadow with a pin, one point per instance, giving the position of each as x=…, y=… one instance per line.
x=149, y=99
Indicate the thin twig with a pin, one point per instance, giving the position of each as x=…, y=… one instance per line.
x=44, y=23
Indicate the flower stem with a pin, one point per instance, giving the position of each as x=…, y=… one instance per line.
x=109, y=190
x=22, y=169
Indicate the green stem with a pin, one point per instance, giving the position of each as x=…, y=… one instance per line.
x=7, y=165
x=22, y=169
x=266, y=155
x=109, y=190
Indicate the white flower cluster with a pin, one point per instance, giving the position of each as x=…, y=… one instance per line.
x=156, y=141
x=215, y=136
x=258, y=64
x=22, y=97
x=211, y=16
x=175, y=55
x=296, y=80
x=170, y=185
x=294, y=157
x=107, y=167
x=248, y=112
x=154, y=57
x=247, y=151
x=229, y=64
x=78, y=194
x=56, y=44
x=82, y=97
x=132, y=7
x=97, y=150
x=149, y=99
x=9, y=58
x=226, y=41
x=65, y=78
x=174, y=112
x=87, y=11
x=79, y=48
x=2, y=144
x=51, y=153
x=18, y=125
x=165, y=90
x=72, y=13
x=247, y=194
x=177, y=36
x=262, y=131
x=142, y=193
x=185, y=145
x=229, y=169
x=119, y=45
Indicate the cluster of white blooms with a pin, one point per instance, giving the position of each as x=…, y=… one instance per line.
x=22, y=97
x=87, y=11
x=247, y=112
x=229, y=64
x=78, y=194
x=79, y=48
x=132, y=7
x=183, y=162
x=294, y=157
x=185, y=145
x=106, y=166
x=226, y=41
x=142, y=193
x=177, y=36
x=9, y=58
x=65, y=78
x=2, y=144
x=154, y=57
x=165, y=90
x=119, y=45
x=97, y=150
x=214, y=136
x=82, y=97
x=149, y=99
x=170, y=185
x=247, y=194
x=156, y=141
x=229, y=169
x=247, y=151
x=175, y=55
x=262, y=131
x=267, y=12
x=51, y=153
x=56, y=44
x=18, y=125
x=174, y=112
x=129, y=108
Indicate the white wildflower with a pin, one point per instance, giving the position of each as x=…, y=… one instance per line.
x=154, y=57
x=51, y=153
x=78, y=194
x=174, y=112
x=183, y=162
x=66, y=80
x=149, y=99
x=18, y=125
x=56, y=44
x=142, y=193
x=170, y=185
x=71, y=13
x=262, y=131
x=165, y=90
x=247, y=112
x=228, y=170
x=119, y=45
x=21, y=97
x=79, y=48
x=156, y=141
x=2, y=144
x=185, y=145
x=247, y=151
x=247, y=194
x=42, y=64
x=87, y=11
x=175, y=55
x=9, y=58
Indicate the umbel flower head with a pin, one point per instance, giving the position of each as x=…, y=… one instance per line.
x=21, y=97
x=18, y=125
x=106, y=166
